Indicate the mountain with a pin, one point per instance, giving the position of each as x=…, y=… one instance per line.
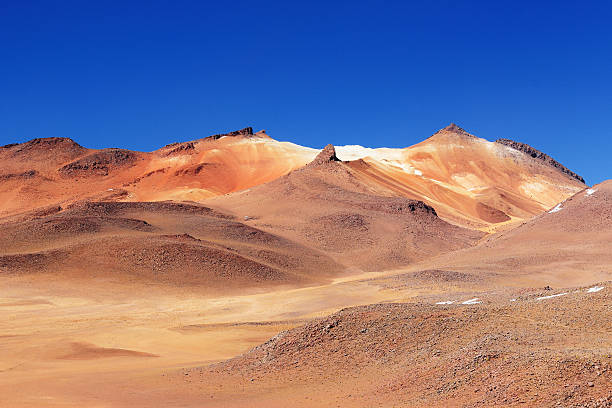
x=326, y=205
x=58, y=171
x=566, y=245
x=468, y=180
x=294, y=215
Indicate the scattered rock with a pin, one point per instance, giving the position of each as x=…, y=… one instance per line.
x=99, y=163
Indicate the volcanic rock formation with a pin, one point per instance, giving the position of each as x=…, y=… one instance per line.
x=327, y=155
x=470, y=181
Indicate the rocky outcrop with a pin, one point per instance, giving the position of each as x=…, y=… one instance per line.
x=175, y=148
x=247, y=131
x=538, y=155
x=327, y=155
x=28, y=174
x=113, y=208
x=46, y=143
x=398, y=205
x=99, y=163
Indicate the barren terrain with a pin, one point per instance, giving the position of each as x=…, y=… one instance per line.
x=237, y=270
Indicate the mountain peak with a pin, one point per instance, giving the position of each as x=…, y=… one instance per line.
x=454, y=128
x=262, y=133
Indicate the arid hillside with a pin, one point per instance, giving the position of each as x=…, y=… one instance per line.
x=528, y=351
x=327, y=206
x=58, y=171
x=239, y=271
x=468, y=180
x=284, y=214
x=158, y=242
x=567, y=245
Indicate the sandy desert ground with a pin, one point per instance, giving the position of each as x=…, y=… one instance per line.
x=240, y=271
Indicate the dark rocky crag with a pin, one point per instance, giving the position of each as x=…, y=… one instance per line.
x=538, y=155
x=247, y=131
x=99, y=163
x=327, y=155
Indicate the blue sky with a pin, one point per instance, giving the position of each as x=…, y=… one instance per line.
x=380, y=73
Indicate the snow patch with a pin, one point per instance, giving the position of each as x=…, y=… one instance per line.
x=552, y=296
x=471, y=302
x=590, y=191
x=557, y=208
x=447, y=302
x=391, y=156
x=354, y=152
x=406, y=167
x=513, y=300
x=595, y=289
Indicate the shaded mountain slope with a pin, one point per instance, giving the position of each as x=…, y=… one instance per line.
x=163, y=242
x=568, y=244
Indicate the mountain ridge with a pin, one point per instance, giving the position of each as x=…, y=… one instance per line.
x=470, y=181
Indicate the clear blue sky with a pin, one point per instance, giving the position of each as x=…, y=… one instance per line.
x=140, y=75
